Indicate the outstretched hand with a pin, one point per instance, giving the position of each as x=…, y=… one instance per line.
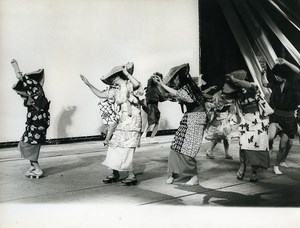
x=15, y=65
x=13, y=61
x=84, y=79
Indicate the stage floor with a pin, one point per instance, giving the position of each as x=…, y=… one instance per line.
x=74, y=173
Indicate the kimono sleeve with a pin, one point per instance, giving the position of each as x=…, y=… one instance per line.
x=183, y=96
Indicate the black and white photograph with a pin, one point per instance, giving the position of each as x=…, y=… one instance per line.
x=149, y=113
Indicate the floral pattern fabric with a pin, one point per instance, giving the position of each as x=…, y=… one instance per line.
x=127, y=135
x=108, y=112
x=128, y=131
x=254, y=126
x=188, y=137
x=38, y=116
x=223, y=118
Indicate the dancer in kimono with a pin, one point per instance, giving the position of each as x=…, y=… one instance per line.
x=223, y=116
x=30, y=88
x=109, y=117
x=127, y=134
x=253, y=128
x=188, y=137
x=285, y=100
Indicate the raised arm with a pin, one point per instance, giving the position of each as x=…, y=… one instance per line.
x=264, y=80
x=159, y=81
x=282, y=61
x=136, y=84
x=18, y=73
x=98, y=93
x=241, y=83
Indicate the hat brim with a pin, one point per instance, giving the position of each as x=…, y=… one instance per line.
x=19, y=86
x=231, y=87
x=239, y=74
x=174, y=70
x=117, y=71
x=37, y=75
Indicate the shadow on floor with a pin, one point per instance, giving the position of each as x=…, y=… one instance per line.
x=83, y=162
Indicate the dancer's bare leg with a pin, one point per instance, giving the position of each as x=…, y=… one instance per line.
x=288, y=148
x=110, y=131
x=154, y=131
x=147, y=128
x=226, y=148
x=241, y=172
x=284, y=147
x=209, y=152
x=272, y=131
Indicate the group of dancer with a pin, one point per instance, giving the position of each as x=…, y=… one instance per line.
x=240, y=104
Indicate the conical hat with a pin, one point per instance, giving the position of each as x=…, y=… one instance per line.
x=173, y=71
x=117, y=71
x=239, y=74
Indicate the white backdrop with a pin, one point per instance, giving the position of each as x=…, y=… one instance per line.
x=89, y=37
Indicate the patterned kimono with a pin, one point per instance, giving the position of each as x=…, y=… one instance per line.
x=38, y=119
x=223, y=118
x=254, y=144
x=188, y=138
x=128, y=131
x=108, y=112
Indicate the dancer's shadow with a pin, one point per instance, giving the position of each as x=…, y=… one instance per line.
x=65, y=121
x=144, y=164
x=84, y=162
x=275, y=195
x=224, y=198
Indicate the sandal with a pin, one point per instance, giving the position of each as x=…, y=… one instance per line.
x=129, y=182
x=35, y=174
x=110, y=179
x=28, y=172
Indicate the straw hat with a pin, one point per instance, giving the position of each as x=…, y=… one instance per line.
x=117, y=71
x=173, y=71
x=238, y=74
x=37, y=75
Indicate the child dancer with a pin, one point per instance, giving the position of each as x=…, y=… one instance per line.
x=109, y=116
x=153, y=96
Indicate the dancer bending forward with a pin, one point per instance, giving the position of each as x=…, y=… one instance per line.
x=188, y=137
x=253, y=128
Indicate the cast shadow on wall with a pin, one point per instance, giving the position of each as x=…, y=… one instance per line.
x=65, y=121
